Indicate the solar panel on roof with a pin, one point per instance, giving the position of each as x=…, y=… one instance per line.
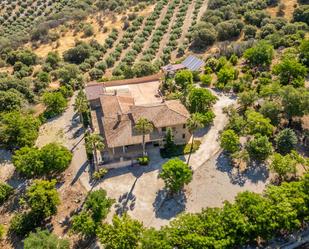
x=193, y=63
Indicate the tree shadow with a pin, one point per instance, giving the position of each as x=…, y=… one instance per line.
x=86, y=243
x=81, y=170
x=167, y=206
x=127, y=200
x=255, y=172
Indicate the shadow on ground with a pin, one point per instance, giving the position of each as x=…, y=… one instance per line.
x=166, y=206
x=255, y=173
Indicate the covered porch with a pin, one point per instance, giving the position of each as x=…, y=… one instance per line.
x=129, y=152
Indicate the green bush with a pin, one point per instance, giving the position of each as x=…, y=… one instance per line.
x=180, y=150
x=5, y=191
x=205, y=79
x=100, y=174
x=143, y=160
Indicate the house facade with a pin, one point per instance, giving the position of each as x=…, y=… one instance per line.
x=115, y=112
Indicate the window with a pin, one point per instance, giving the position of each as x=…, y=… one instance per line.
x=163, y=129
x=183, y=136
x=184, y=126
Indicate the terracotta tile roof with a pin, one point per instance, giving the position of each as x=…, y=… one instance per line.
x=120, y=115
x=165, y=114
x=94, y=91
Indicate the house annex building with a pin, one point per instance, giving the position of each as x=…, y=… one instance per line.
x=116, y=106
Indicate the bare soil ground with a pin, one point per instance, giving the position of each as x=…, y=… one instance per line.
x=185, y=28
x=148, y=42
x=166, y=36
x=68, y=37
x=288, y=11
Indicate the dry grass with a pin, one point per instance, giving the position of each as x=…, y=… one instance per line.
x=68, y=38
x=288, y=11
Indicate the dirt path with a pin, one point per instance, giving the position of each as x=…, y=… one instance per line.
x=165, y=38
x=185, y=28
x=148, y=42
x=202, y=10
x=124, y=51
x=210, y=144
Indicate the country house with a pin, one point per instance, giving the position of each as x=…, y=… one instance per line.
x=117, y=106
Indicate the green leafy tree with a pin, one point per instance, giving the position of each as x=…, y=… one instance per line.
x=183, y=79
x=229, y=141
x=123, y=233
x=258, y=124
x=18, y=130
x=69, y=73
x=175, y=174
x=78, y=54
x=56, y=157
x=291, y=72
x=204, y=35
x=289, y=203
x=53, y=59
x=10, y=100
x=84, y=224
x=154, y=239
x=22, y=223
x=260, y=55
x=286, y=140
x=271, y=110
x=43, y=77
x=194, y=123
x=247, y=98
x=5, y=191
x=169, y=145
x=205, y=118
x=27, y=161
x=283, y=165
x=258, y=211
x=94, y=143
x=144, y=127
x=205, y=79
x=304, y=52
x=200, y=100
x=295, y=102
x=44, y=239
x=259, y=148
x=99, y=204
x=225, y=75
x=143, y=68
x=52, y=158
x=81, y=104
x=55, y=103
x=43, y=198
x=96, y=74
x=96, y=208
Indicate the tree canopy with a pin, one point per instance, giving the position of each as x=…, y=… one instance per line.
x=18, y=130
x=260, y=55
x=175, y=174
x=123, y=233
x=51, y=158
x=44, y=239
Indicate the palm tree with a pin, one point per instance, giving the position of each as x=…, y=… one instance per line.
x=144, y=126
x=94, y=142
x=81, y=104
x=193, y=124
